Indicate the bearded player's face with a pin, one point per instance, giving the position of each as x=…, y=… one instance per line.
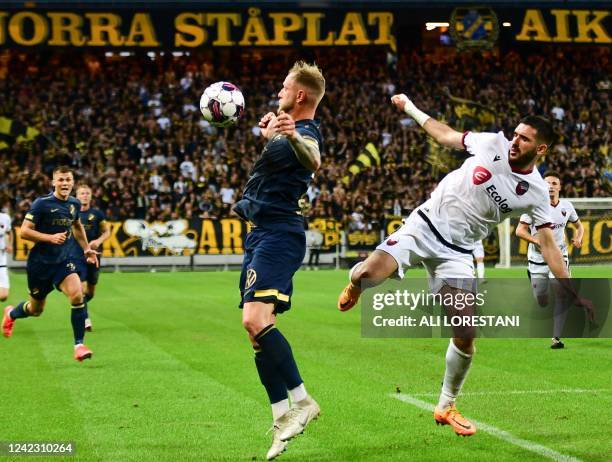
x=288, y=94
x=524, y=147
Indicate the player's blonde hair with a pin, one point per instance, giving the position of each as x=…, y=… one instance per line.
x=311, y=77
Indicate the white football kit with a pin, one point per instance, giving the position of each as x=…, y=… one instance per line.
x=560, y=214
x=478, y=251
x=464, y=208
x=5, y=228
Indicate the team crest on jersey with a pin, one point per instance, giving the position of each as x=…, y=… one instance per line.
x=71, y=209
x=91, y=217
x=251, y=277
x=563, y=212
x=481, y=175
x=522, y=187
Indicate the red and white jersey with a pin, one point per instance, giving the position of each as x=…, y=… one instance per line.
x=560, y=214
x=470, y=201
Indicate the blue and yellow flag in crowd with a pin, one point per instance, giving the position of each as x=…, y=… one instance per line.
x=12, y=131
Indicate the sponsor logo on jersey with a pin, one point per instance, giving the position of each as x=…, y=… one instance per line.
x=481, y=175
x=496, y=158
x=522, y=187
x=501, y=202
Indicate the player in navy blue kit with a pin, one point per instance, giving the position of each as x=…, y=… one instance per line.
x=97, y=231
x=276, y=245
x=50, y=223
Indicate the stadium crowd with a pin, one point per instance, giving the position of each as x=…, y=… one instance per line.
x=132, y=129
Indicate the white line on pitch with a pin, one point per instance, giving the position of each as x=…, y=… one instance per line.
x=496, y=432
x=523, y=392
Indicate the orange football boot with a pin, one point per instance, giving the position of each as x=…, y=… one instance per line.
x=7, y=322
x=451, y=416
x=81, y=352
x=349, y=297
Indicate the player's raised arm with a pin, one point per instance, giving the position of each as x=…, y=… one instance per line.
x=306, y=149
x=439, y=131
x=29, y=233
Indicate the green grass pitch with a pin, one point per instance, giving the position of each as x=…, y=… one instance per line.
x=173, y=379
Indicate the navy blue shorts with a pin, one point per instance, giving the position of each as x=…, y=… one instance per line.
x=271, y=259
x=44, y=277
x=88, y=272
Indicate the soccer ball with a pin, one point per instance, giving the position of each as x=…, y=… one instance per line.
x=222, y=104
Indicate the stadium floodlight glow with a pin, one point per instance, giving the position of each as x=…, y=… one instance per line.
x=506, y=24
x=125, y=53
x=151, y=54
x=108, y=54
x=434, y=25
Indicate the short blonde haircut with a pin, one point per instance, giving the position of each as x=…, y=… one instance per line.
x=311, y=77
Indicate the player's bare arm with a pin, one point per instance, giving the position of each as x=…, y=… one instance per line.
x=522, y=232
x=442, y=133
x=29, y=233
x=578, y=234
x=306, y=149
x=8, y=239
x=81, y=237
x=264, y=123
x=554, y=259
x=106, y=232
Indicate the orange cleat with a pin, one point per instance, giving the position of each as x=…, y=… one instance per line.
x=7, y=322
x=349, y=297
x=451, y=416
x=81, y=352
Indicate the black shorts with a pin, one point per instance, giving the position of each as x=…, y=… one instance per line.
x=88, y=272
x=44, y=277
x=271, y=259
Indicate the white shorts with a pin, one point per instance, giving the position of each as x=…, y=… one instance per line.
x=416, y=243
x=4, y=279
x=478, y=251
x=542, y=270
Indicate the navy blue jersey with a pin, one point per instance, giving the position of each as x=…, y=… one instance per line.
x=51, y=215
x=91, y=219
x=277, y=181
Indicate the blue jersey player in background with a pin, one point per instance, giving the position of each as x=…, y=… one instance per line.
x=97, y=231
x=50, y=223
x=276, y=245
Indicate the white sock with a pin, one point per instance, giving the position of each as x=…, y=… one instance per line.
x=480, y=269
x=457, y=367
x=280, y=409
x=298, y=393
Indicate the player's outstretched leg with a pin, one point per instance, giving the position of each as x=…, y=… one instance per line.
x=89, y=291
x=374, y=269
x=560, y=310
x=458, y=360
x=71, y=286
x=277, y=393
x=304, y=409
x=22, y=310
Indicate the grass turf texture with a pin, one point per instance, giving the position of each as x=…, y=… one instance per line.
x=172, y=378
